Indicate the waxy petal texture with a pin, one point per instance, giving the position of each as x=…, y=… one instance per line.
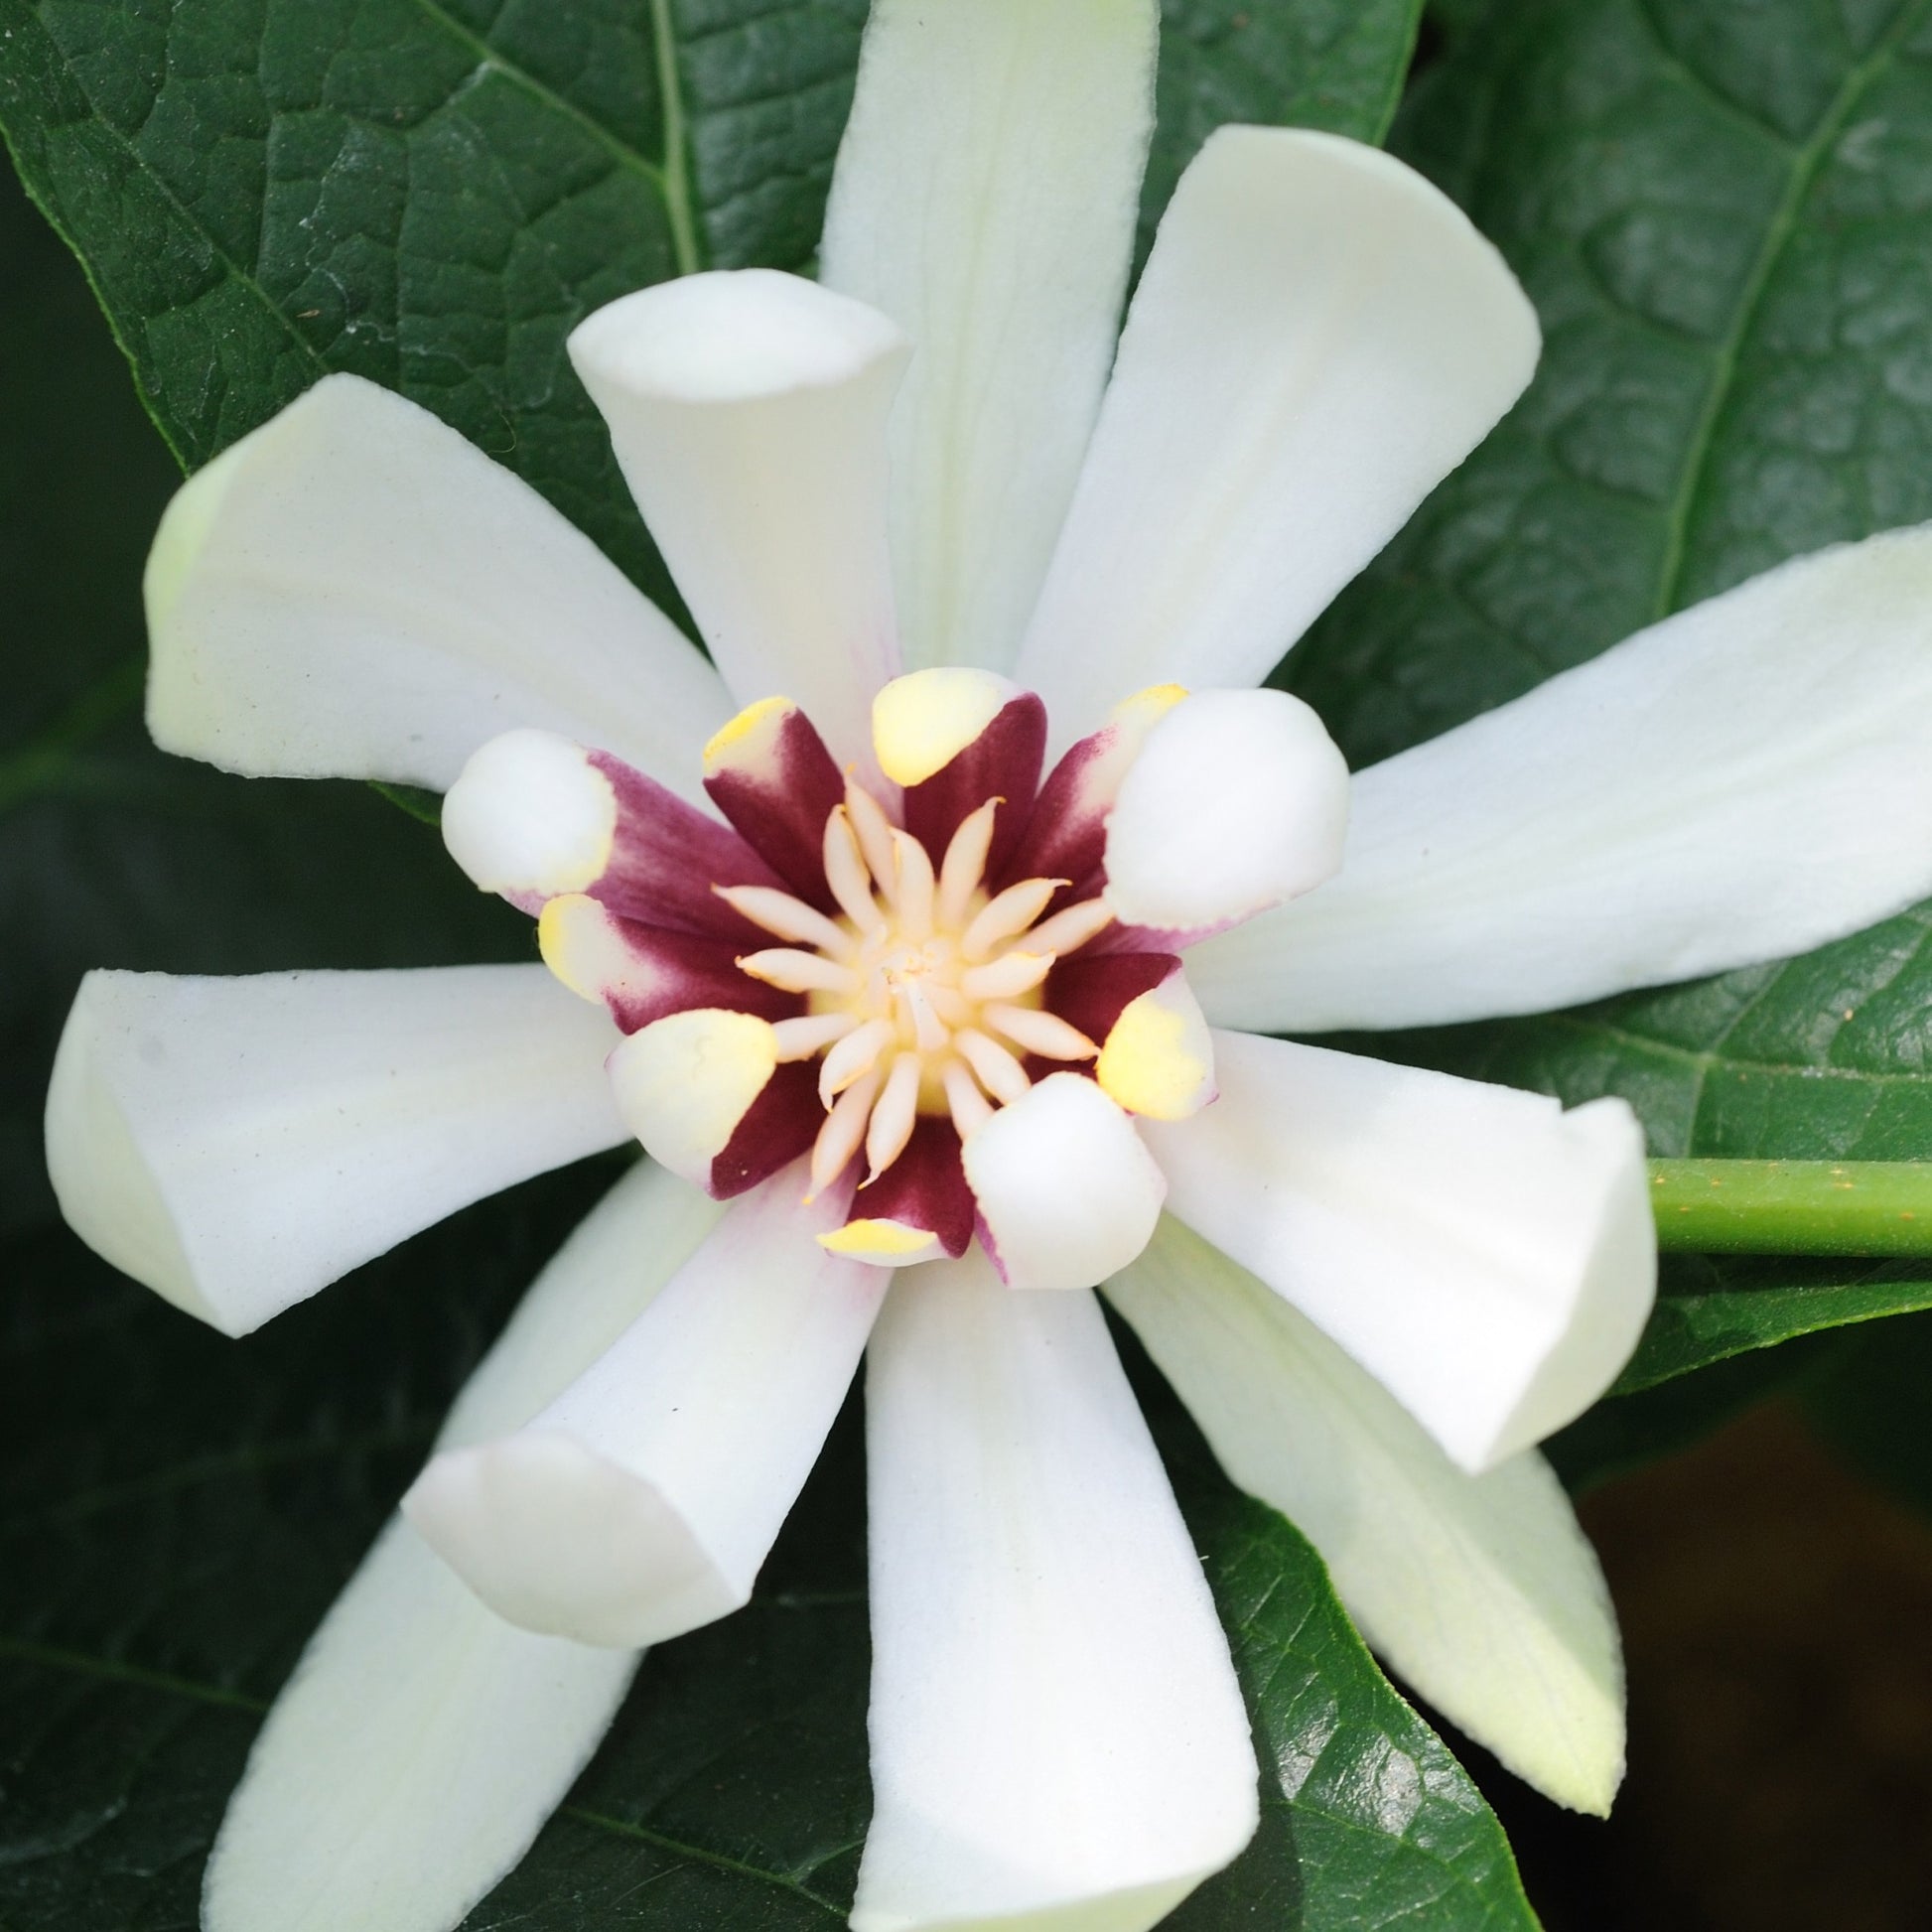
x=1481, y=1590
x=642, y=1500
x=1066, y=1192
x=705, y=1093
x=1747, y=779
x=534, y=816
x=355, y=591
x=985, y=198
x=1319, y=338
x=1488, y=1257
x=1237, y=801
x=768, y=772
x=238, y=1144
x=422, y=1741
x=748, y=412
x=1058, y=1739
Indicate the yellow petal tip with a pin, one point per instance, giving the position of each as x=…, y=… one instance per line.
x=887, y=1244
x=921, y=721
x=748, y=724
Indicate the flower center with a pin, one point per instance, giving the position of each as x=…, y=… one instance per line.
x=923, y=988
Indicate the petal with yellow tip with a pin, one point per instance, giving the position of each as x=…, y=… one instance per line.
x=684, y=1084
x=647, y=973
x=770, y=774
x=921, y=721
x=1159, y=1059
x=886, y=1244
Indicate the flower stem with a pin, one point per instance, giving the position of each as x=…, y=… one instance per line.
x=1793, y=1207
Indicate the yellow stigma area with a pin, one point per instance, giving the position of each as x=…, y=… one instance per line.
x=925, y=990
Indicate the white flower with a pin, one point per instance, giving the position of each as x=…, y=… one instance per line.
x=926, y=550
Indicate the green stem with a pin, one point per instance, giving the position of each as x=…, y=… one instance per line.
x=1793, y=1207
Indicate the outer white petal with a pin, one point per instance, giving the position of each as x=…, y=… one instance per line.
x=238, y=1144
x=642, y=1500
x=1238, y=800
x=1488, y=1257
x=355, y=591
x=422, y=1741
x=985, y=198
x=1067, y=1193
x=1059, y=1742
x=747, y=411
x=1481, y=1590
x=1742, y=782
x=1319, y=338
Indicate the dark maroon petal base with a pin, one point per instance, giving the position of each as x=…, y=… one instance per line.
x=778, y=1128
x=925, y=1187
x=667, y=856
x=780, y=807
x=1003, y=761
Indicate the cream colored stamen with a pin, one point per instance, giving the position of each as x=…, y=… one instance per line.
x=811, y=1033
x=924, y=989
x=798, y=972
x=1006, y=976
x=968, y=1106
x=894, y=1114
x=790, y=918
x=1044, y=1034
x=845, y=873
x=965, y=864
x=875, y=832
x=995, y=1067
x=1005, y=916
x=1071, y=926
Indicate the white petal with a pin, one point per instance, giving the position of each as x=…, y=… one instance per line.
x=747, y=411
x=921, y=721
x=1059, y=1742
x=238, y=1144
x=643, y=1501
x=601, y=1281
x=684, y=1084
x=1481, y=1590
x=1728, y=786
x=1067, y=1190
x=1238, y=800
x=355, y=591
x=422, y=1741
x=985, y=198
x=1159, y=1055
x=530, y=813
x=413, y=1757
x=1488, y=1257
x=1319, y=338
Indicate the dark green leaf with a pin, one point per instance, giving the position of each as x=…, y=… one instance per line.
x=177, y=1511
x=1721, y=209
x=1824, y=1057
x=433, y=192
x=1871, y=1401
x=1708, y=1310
x=1335, y=64
x=427, y=192
x=1723, y=212
x=110, y=854
x=1623, y=1434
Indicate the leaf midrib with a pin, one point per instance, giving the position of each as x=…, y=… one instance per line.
x=1802, y=173
x=670, y=180
x=670, y=175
